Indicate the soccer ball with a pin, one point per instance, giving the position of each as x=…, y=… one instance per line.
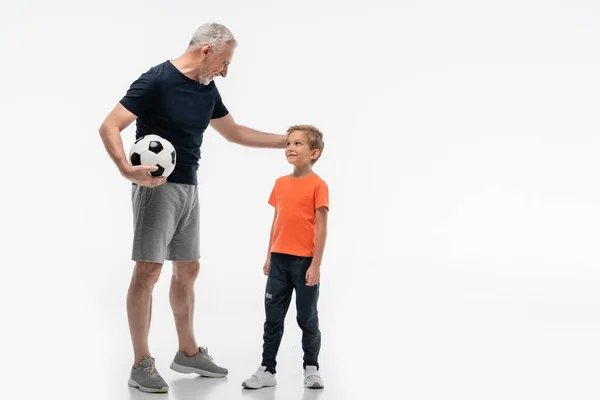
x=154, y=150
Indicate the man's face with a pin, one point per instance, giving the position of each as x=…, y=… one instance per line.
x=217, y=63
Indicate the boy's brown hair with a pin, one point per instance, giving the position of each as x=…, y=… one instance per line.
x=314, y=136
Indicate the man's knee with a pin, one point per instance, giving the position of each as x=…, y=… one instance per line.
x=186, y=271
x=146, y=273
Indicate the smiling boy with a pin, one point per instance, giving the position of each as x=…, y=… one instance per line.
x=296, y=245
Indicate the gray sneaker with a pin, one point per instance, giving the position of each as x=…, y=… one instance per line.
x=146, y=378
x=200, y=364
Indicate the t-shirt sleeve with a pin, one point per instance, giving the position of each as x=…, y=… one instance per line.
x=140, y=95
x=220, y=110
x=322, y=196
x=272, y=199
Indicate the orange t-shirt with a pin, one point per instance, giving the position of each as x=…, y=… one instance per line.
x=296, y=200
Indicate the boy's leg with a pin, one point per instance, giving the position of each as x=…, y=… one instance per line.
x=307, y=313
x=278, y=294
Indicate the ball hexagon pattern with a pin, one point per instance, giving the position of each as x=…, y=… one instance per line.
x=154, y=150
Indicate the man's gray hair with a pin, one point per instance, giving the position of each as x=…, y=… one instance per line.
x=217, y=35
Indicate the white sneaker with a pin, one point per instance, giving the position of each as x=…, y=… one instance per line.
x=312, y=378
x=261, y=378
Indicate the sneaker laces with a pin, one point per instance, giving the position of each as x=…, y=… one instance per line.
x=151, y=369
x=204, y=352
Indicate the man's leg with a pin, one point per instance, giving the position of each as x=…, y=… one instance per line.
x=144, y=375
x=185, y=245
x=190, y=358
x=182, y=298
x=155, y=216
x=139, y=305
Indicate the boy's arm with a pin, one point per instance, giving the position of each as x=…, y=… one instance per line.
x=268, y=262
x=321, y=236
x=313, y=275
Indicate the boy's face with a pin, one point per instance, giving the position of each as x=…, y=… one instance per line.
x=297, y=150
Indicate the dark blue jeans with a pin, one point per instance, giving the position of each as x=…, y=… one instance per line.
x=287, y=273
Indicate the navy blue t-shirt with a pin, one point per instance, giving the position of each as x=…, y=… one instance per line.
x=177, y=108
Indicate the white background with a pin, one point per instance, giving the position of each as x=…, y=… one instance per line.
x=461, y=155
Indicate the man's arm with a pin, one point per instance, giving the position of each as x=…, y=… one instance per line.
x=313, y=275
x=245, y=136
x=110, y=132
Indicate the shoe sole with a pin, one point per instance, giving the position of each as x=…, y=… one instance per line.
x=270, y=384
x=315, y=385
x=191, y=370
x=136, y=385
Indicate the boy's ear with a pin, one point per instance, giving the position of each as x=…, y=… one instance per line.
x=315, y=154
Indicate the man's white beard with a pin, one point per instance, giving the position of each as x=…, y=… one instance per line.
x=204, y=79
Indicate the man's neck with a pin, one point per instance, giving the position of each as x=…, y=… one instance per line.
x=188, y=65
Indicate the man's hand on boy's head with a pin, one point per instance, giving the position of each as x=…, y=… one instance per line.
x=313, y=275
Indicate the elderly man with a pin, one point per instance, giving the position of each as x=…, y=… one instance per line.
x=177, y=100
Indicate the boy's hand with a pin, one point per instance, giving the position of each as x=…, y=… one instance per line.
x=266, y=267
x=313, y=275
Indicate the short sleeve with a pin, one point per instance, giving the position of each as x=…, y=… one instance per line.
x=272, y=198
x=141, y=94
x=322, y=195
x=220, y=110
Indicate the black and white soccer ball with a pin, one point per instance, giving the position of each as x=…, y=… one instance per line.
x=154, y=150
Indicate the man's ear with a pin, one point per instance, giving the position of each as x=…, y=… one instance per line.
x=206, y=49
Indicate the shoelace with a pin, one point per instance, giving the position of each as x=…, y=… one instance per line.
x=151, y=369
x=204, y=352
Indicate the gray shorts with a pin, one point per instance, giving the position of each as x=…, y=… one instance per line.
x=166, y=223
